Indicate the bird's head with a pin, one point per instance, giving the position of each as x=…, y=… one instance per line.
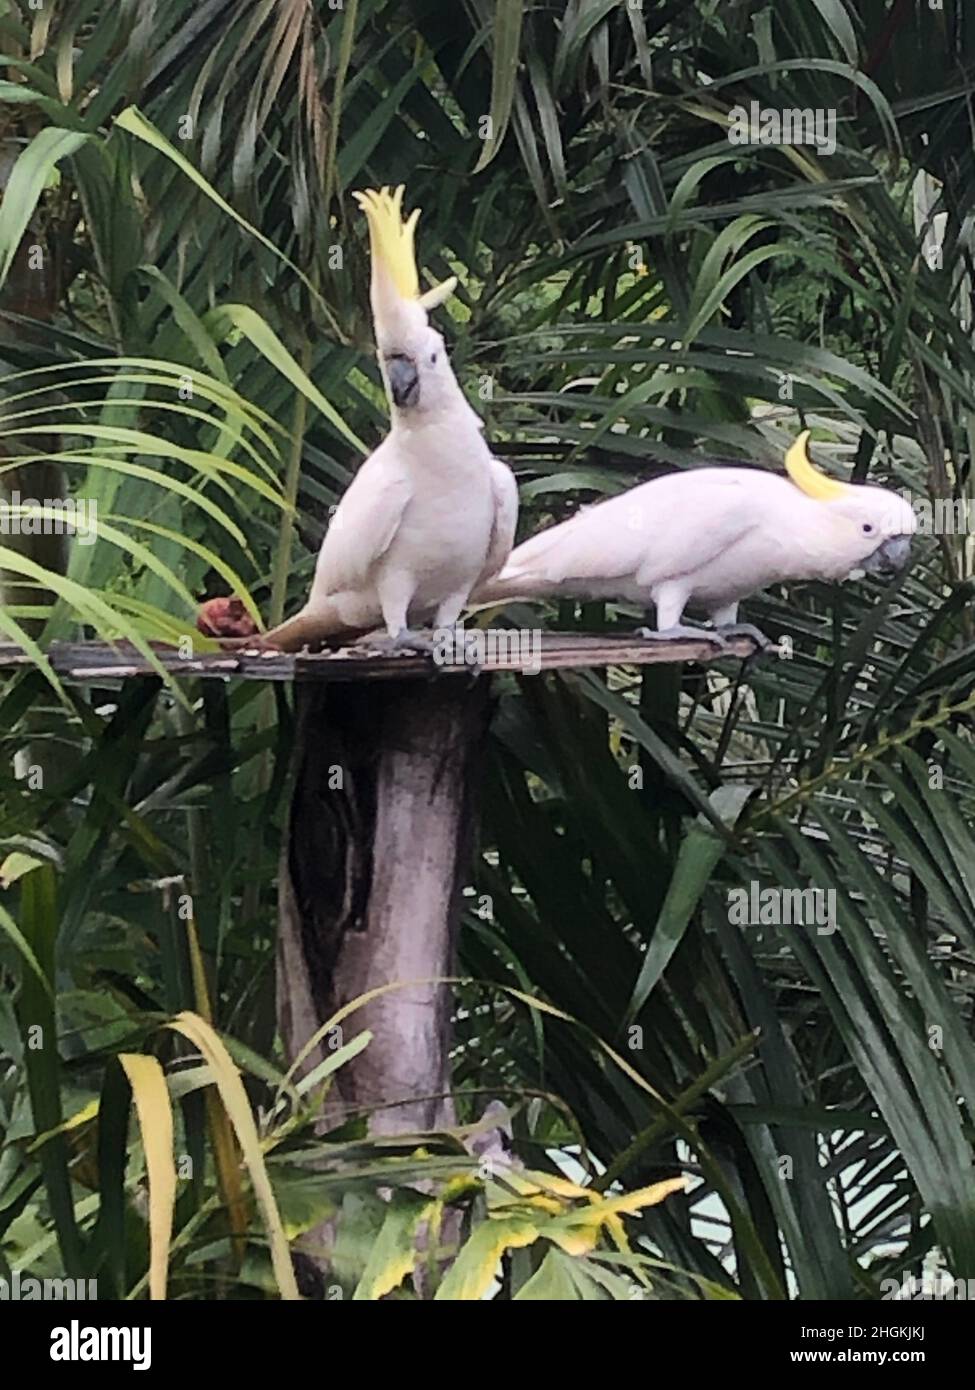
x=862, y=528
x=412, y=355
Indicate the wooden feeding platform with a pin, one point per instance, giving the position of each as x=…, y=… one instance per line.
x=556, y=651
x=379, y=838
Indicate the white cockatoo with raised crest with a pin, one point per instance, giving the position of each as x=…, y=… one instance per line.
x=708, y=537
x=431, y=513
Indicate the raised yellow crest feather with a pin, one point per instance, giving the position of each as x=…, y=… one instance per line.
x=807, y=477
x=393, y=242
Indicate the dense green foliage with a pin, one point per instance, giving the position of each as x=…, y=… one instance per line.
x=636, y=291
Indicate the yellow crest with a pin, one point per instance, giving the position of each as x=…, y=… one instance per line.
x=392, y=240
x=807, y=477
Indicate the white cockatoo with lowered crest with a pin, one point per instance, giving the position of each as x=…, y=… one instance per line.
x=707, y=538
x=431, y=513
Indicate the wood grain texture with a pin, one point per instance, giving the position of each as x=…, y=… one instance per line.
x=377, y=852
x=98, y=661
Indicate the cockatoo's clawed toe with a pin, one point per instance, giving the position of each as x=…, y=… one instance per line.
x=761, y=640
x=680, y=632
x=405, y=643
x=414, y=643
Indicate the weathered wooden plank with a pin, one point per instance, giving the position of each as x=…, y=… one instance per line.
x=553, y=651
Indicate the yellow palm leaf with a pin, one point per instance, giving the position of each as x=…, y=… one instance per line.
x=155, y=1114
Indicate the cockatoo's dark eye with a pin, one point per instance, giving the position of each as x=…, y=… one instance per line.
x=867, y=529
x=433, y=360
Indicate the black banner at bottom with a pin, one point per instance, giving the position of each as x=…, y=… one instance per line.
x=168, y=1338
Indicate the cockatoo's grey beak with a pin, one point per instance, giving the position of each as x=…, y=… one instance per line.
x=404, y=380
x=889, y=558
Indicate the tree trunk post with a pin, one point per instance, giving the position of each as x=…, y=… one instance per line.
x=375, y=856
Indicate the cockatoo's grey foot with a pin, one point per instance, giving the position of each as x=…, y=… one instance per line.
x=762, y=642
x=681, y=632
x=405, y=643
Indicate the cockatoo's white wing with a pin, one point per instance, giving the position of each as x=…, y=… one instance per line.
x=364, y=523
x=641, y=534
x=505, y=491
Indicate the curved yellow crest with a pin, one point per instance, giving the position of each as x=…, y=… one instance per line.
x=392, y=239
x=807, y=477
x=393, y=243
